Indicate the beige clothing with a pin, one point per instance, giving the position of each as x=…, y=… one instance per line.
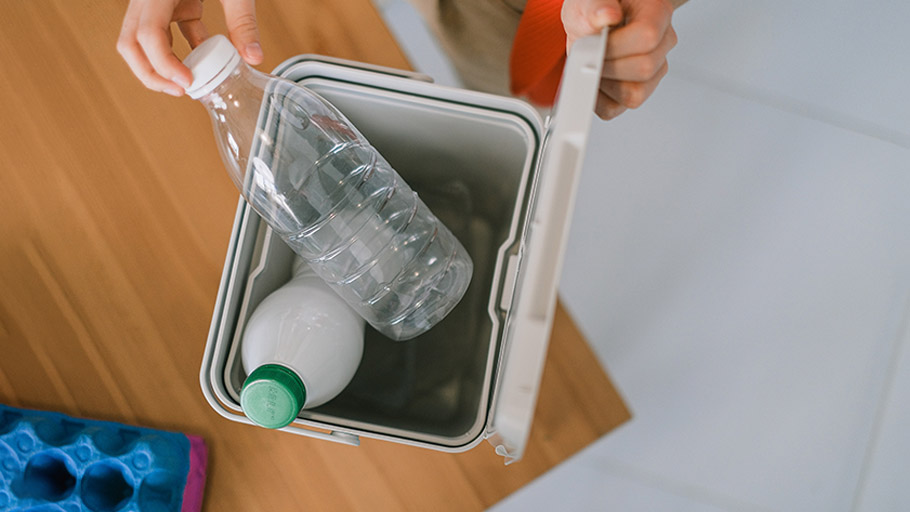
x=477, y=36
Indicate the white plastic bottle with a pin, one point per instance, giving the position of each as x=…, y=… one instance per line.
x=330, y=195
x=301, y=347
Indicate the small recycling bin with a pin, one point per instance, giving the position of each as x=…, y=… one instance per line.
x=503, y=180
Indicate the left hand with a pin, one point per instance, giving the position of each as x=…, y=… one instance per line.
x=636, y=60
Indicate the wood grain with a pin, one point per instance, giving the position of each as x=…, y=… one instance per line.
x=115, y=214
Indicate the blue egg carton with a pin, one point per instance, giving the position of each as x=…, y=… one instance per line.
x=51, y=462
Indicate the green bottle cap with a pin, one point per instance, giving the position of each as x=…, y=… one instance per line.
x=272, y=396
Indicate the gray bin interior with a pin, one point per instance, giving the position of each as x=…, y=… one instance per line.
x=473, y=168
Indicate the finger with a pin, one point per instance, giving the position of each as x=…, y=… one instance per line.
x=187, y=10
x=640, y=68
x=153, y=34
x=632, y=94
x=194, y=31
x=240, y=16
x=607, y=108
x=133, y=55
x=587, y=17
x=646, y=24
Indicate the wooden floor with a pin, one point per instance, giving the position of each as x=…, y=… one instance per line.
x=115, y=213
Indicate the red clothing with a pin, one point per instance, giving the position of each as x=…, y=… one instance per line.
x=538, y=52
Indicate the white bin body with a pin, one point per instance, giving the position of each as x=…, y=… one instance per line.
x=476, y=160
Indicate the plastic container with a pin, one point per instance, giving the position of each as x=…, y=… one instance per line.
x=54, y=462
x=300, y=348
x=330, y=195
x=504, y=181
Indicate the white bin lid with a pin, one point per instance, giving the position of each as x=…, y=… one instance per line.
x=528, y=331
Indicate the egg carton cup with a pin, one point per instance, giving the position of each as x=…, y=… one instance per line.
x=51, y=462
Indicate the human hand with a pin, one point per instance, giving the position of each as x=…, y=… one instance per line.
x=145, y=38
x=636, y=60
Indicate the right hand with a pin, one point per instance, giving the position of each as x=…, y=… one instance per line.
x=145, y=38
x=636, y=58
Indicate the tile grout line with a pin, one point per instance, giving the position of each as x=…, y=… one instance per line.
x=790, y=105
x=900, y=345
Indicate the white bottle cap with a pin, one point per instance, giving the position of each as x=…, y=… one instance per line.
x=211, y=62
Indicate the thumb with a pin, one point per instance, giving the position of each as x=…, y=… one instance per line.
x=240, y=16
x=587, y=17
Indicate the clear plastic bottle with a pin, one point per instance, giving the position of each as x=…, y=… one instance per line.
x=301, y=348
x=330, y=195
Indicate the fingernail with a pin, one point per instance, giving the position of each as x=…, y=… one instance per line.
x=183, y=82
x=174, y=92
x=253, y=51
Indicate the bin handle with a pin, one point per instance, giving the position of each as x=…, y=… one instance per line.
x=297, y=428
x=334, y=435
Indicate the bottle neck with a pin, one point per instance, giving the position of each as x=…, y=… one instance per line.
x=234, y=106
x=235, y=87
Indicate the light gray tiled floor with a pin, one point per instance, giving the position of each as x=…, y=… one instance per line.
x=746, y=285
x=843, y=61
x=740, y=261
